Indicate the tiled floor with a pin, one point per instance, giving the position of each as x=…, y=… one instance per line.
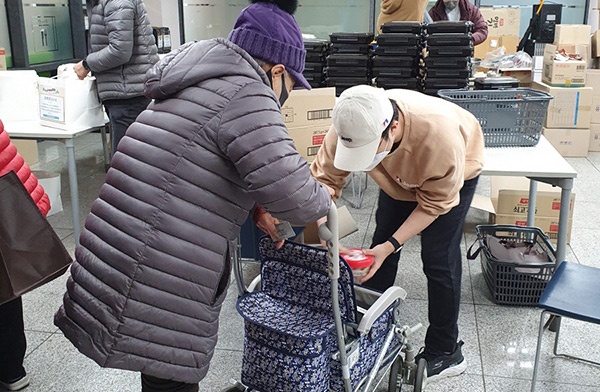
x=499, y=340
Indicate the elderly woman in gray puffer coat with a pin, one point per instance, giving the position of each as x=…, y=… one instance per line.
x=153, y=266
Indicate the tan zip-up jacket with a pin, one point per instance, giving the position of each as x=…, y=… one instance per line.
x=401, y=10
x=441, y=147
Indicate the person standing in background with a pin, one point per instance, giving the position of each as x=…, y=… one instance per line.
x=401, y=10
x=13, y=344
x=122, y=50
x=457, y=10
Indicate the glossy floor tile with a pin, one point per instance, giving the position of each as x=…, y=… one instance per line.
x=499, y=340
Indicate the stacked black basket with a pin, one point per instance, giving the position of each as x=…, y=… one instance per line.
x=314, y=67
x=348, y=63
x=449, y=51
x=398, y=55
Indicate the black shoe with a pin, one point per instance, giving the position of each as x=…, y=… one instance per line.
x=443, y=366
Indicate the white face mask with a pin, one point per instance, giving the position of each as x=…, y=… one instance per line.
x=378, y=158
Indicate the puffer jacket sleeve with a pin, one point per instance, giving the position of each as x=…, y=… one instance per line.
x=119, y=16
x=10, y=159
x=253, y=136
x=480, y=27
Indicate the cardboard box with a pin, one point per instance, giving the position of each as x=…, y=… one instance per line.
x=523, y=75
x=569, y=142
x=593, y=81
x=570, y=107
x=491, y=43
x=346, y=226
x=308, y=139
x=573, y=34
x=570, y=73
x=548, y=225
x=596, y=44
x=28, y=150
x=502, y=20
x=2, y=59
x=309, y=107
x=594, y=137
x=516, y=202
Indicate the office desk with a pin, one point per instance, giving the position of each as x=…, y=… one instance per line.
x=33, y=130
x=540, y=163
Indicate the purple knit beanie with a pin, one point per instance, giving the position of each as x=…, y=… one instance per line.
x=269, y=33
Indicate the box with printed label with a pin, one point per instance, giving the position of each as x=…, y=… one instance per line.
x=548, y=225
x=502, y=20
x=570, y=108
x=564, y=73
x=309, y=107
x=572, y=34
x=569, y=142
x=308, y=140
x=516, y=202
x=593, y=81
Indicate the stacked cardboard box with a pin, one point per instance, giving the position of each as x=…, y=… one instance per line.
x=307, y=116
x=510, y=205
x=593, y=81
x=503, y=30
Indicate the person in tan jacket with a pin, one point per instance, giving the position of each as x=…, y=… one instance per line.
x=401, y=10
x=426, y=155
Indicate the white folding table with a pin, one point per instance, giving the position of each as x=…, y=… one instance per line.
x=33, y=130
x=539, y=163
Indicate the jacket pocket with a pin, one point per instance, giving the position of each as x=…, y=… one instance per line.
x=221, y=291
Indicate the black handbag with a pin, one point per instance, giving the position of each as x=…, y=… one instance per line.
x=31, y=254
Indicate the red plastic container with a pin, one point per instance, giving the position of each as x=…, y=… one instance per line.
x=358, y=261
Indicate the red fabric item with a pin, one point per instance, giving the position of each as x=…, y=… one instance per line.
x=10, y=159
x=468, y=11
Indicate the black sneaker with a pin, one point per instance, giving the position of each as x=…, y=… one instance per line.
x=445, y=365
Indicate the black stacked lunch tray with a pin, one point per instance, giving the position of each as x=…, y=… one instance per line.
x=396, y=63
x=449, y=49
x=316, y=54
x=402, y=27
x=348, y=63
x=496, y=83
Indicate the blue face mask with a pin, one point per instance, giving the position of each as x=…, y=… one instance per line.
x=450, y=5
x=378, y=158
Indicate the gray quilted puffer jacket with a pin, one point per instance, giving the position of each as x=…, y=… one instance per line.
x=122, y=48
x=153, y=264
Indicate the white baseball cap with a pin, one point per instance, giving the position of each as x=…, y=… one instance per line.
x=360, y=116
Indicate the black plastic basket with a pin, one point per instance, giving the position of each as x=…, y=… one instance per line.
x=513, y=283
x=508, y=118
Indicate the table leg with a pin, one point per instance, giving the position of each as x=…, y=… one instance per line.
x=74, y=188
x=563, y=220
x=531, y=202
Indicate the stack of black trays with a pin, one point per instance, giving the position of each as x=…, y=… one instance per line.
x=348, y=63
x=448, y=60
x=314, y=67
x=398, y=55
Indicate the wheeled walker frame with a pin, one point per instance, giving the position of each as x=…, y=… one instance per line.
x=297, y=340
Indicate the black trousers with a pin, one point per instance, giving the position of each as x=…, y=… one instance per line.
x=12, y=340
x=155, y=384
x=122, y=113
x=442, y=262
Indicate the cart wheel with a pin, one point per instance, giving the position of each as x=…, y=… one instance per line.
x=421, y=375
x=396, y=371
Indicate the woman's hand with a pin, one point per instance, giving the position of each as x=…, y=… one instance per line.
x=380, y=253
x=266, y=222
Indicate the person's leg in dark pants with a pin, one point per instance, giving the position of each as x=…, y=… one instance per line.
x=122, y=113
x=155, y=384
x=12, y=341
x=389, y=217
x=442, y=264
